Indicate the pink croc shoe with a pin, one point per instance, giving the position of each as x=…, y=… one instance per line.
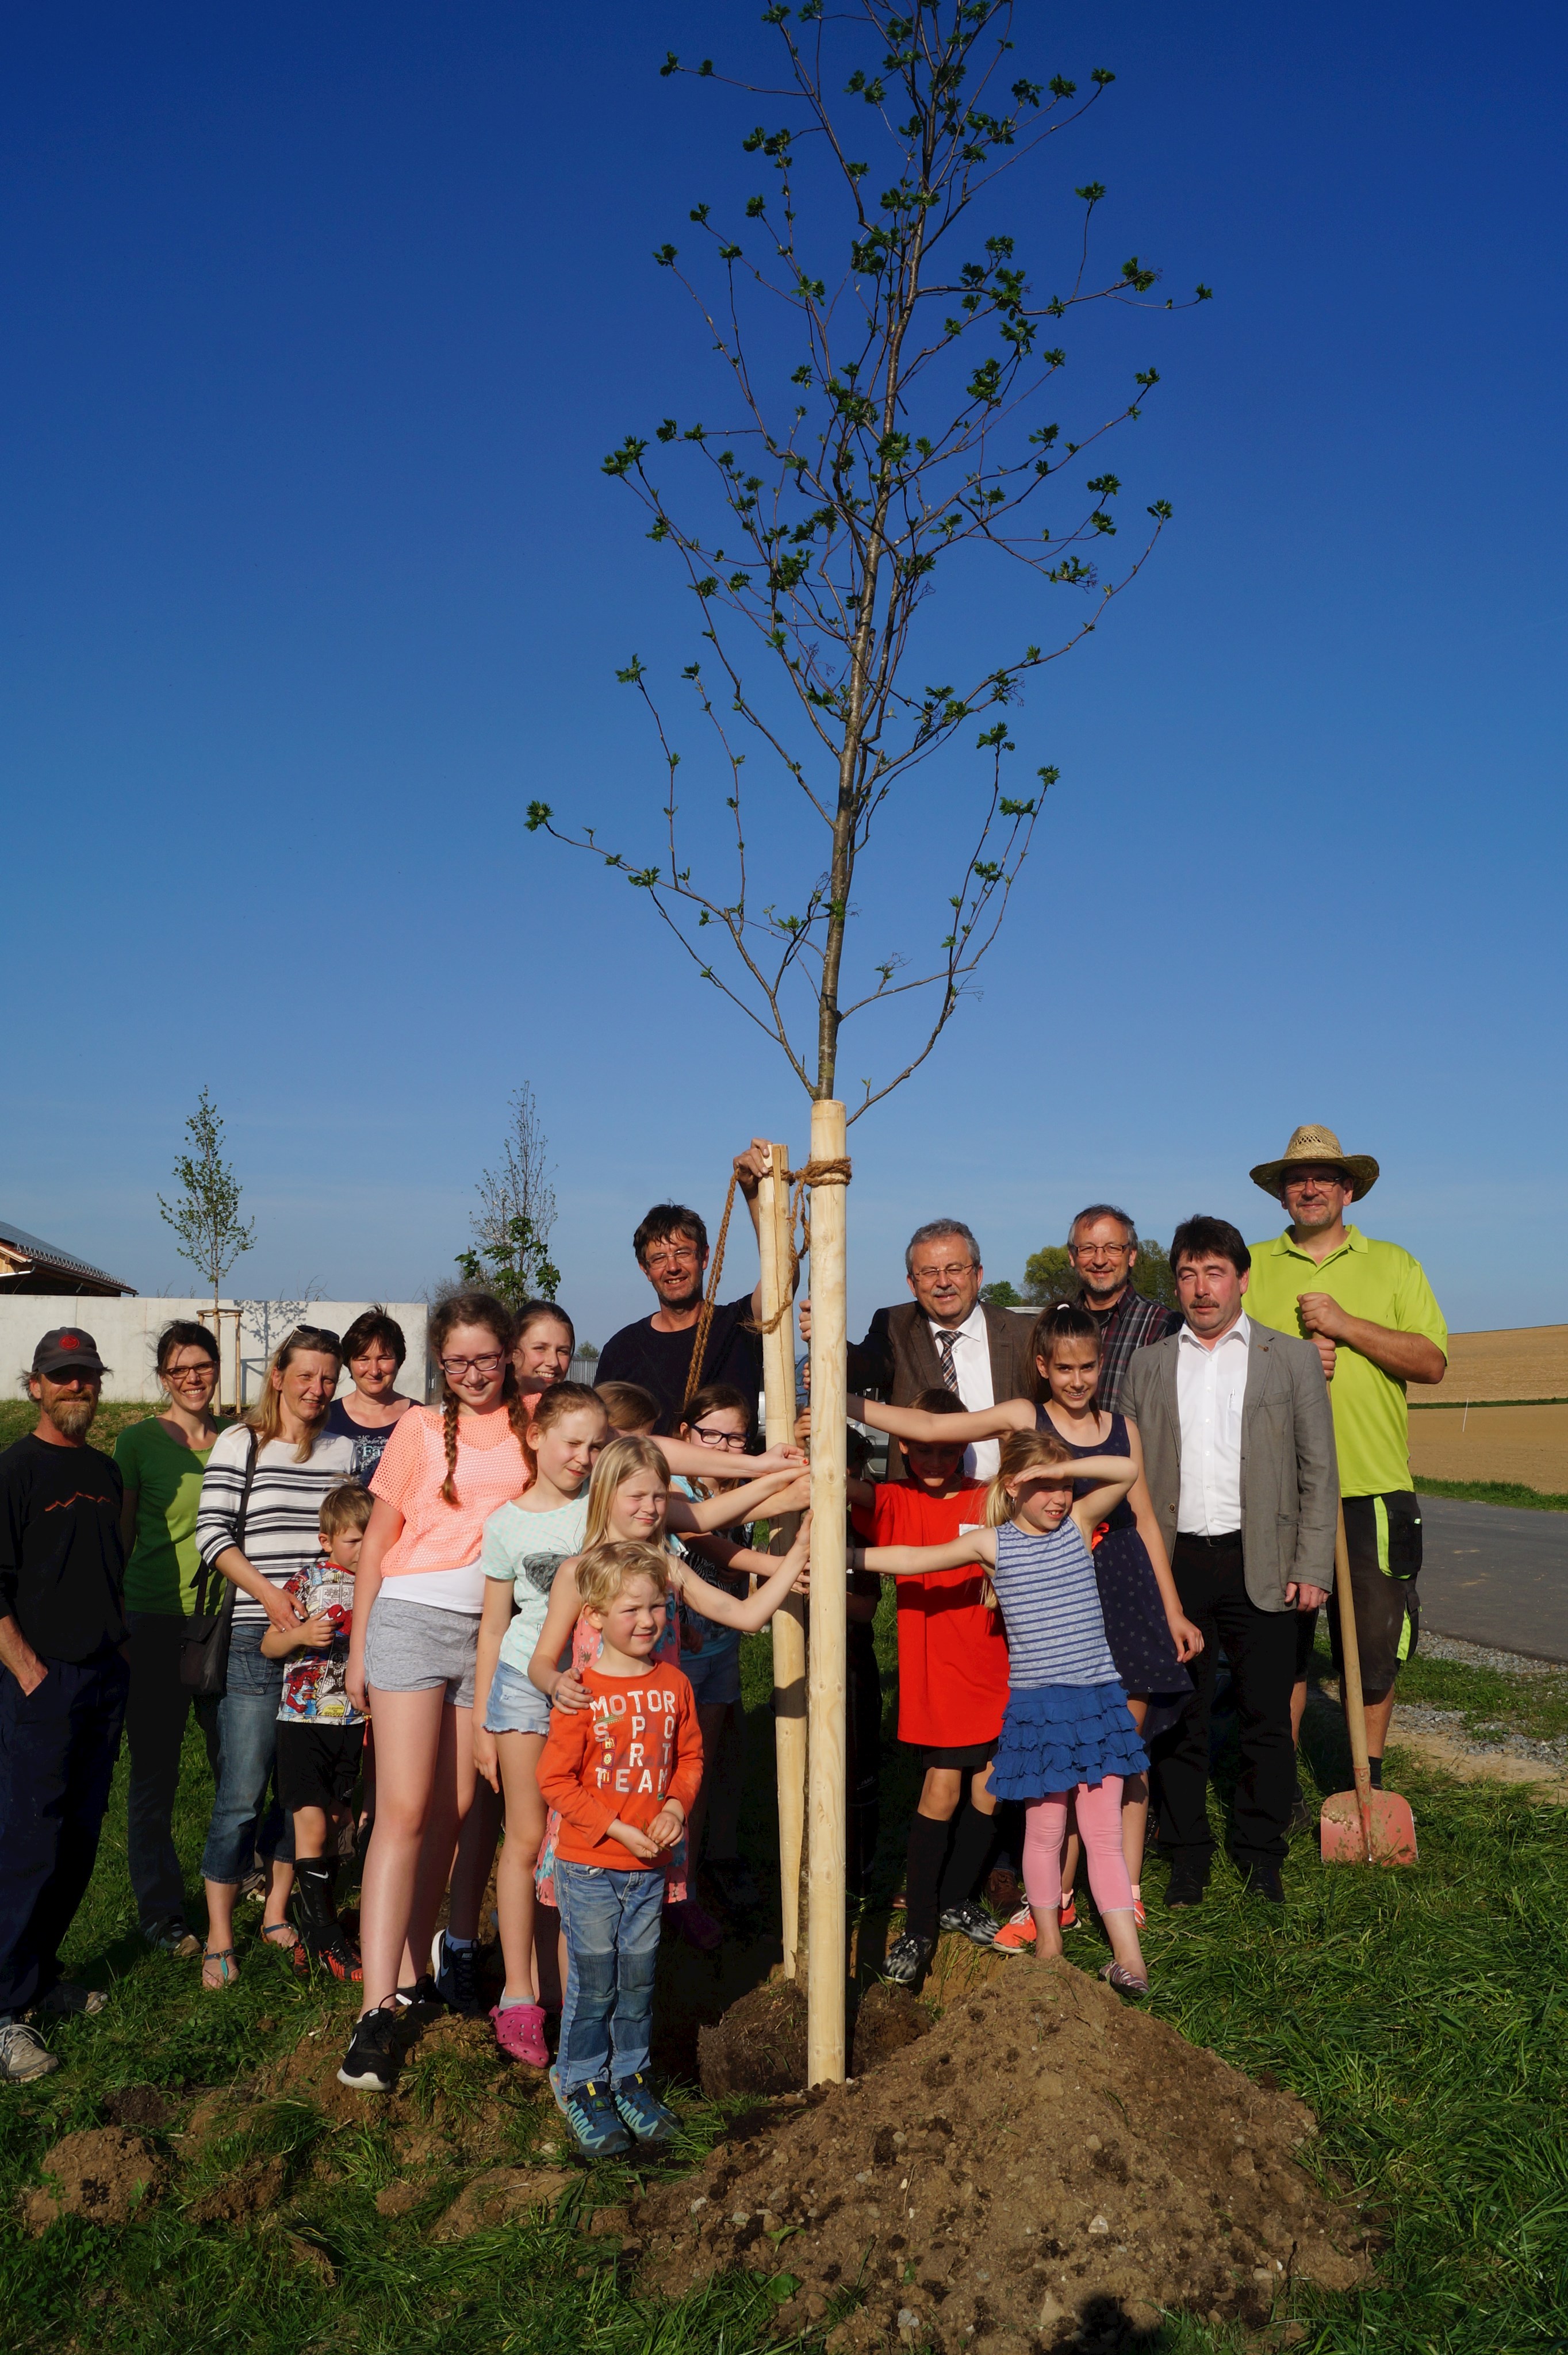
x=520, y=2033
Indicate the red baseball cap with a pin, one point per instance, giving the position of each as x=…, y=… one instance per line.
x=66, y=1350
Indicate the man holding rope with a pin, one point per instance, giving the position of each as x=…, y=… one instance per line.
x=671, y=1246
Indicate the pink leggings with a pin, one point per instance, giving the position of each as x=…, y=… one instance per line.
x=1100, y=1827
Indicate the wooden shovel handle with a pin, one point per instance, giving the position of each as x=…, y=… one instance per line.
x=1350, y=1682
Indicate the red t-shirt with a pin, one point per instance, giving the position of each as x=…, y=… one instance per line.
x=636, y=1745
x=953, y=1654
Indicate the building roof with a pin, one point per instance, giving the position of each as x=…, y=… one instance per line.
x=25, y=1255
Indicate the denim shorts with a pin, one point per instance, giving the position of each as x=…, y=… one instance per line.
x=516, y=1706
x=414, y=1646
x=714, y=1673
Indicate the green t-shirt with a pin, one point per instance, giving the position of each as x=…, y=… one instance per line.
x=1384, y=1285
x=161, y=1573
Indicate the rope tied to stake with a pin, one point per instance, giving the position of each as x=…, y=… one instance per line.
x=815, y=1173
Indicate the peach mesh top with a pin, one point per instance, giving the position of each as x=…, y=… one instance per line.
x=490, y=1471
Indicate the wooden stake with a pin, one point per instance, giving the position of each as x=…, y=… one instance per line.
x=789, y=1623
x=825, y=1676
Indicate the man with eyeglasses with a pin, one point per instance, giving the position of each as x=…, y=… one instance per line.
x=947, y=1338
x=1377, y=1326
x=1103, y=1245
x=671, y=1245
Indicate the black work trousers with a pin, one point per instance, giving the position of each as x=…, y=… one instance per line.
x=1261, y=1648
x=57, y=1748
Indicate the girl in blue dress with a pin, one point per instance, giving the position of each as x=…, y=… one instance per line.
x=1067, y=1736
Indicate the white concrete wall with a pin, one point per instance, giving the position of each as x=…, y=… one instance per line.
x=127, y=1332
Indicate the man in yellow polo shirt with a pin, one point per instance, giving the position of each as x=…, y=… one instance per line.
x=1370, y=1311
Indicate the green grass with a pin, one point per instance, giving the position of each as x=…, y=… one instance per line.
x=1490, y=1701
x=1423, y=2016
x=1497, y=1492
x=18, y=1416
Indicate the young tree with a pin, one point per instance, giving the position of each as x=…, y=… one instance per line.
x=913, y=442
x=205, y=1215
x=1049, y=1277
x=516, y=1211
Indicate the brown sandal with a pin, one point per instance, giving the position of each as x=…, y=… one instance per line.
x=226, y=1967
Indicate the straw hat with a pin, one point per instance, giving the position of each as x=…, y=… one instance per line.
x=1316, y=1144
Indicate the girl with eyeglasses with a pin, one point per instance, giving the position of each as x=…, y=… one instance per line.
x=420, y=1592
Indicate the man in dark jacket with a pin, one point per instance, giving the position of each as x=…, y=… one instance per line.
x=946, y=1337
x=63, y=1681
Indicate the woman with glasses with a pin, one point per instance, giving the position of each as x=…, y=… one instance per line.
x=373, y=1354
x=258, y=1523
x=420, y=1592
x=161, y=1463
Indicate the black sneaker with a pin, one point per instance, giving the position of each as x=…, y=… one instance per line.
x=424, y=1991
x=1264, y=1881
x=370, y=2063
x=456, y=1970
x=1186, y=1885
x=907, y=1958
x=973, y=1922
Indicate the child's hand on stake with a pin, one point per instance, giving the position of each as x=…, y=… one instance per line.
x=485, y=1759
x=641, y=1846
x=668, y=1825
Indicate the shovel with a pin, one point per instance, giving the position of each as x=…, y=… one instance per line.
x=1362, y=1826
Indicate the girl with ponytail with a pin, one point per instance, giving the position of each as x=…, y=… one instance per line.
x=420, y=1592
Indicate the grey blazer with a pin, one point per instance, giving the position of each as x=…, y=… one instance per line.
x=1290, y=1477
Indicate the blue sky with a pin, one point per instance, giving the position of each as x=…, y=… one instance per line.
x=319, y=323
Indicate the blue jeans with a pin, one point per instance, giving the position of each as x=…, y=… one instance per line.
x=612, y=1922
x=57, y=1748
x=242, y=1825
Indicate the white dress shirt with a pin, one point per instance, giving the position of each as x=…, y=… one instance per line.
x=1209, y=1387
x=971, y=1364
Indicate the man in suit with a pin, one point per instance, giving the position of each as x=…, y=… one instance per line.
x=946, y=1337
x=1238, y=1446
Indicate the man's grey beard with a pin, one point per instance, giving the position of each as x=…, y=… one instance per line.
x=72, y=1418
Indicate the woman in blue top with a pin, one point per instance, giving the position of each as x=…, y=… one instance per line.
x=1067, y=1735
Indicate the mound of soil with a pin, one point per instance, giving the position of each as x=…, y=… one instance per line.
x=1048, y=2169
x=758, y=2048
x=104, y=2173
x=506, y=2195
x=138, y=2106
x=251, y=2190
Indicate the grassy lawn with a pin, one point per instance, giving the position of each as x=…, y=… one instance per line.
x=1495, y=1492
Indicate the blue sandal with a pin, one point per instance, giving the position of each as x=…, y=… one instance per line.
x=224, y=1957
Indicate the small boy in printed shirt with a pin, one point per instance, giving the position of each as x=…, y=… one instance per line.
x=623, y=1773
x=320, y=1732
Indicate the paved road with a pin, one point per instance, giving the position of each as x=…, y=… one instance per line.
x=1491, y=1575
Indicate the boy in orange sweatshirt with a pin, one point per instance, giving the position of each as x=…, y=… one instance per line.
x=623, y=1772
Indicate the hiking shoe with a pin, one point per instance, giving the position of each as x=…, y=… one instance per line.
x=640, y=2108
x=700, y=1929
x=173, y=1939
x=592, y=2116
x=972, y=1922
x=424, y=1991
x=370, y=2063
x=735, y=1881
x=456, y=1973
x=520, y=2033
x=64, y=1998
x=23, y=2054
x=1015, y=1934
x=1067, y=1919
x=907, y=1958
x=1123, y=1979
x=252, y=1889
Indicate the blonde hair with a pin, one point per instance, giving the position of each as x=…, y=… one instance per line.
x=630, y=1407
x=1022, y=1452
x=266, y=1417
x=347, y=1506
x=616, y=1464
x=605, y=1572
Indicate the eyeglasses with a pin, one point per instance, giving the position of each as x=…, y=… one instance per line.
x=314, y=1336
x=688, y=1253
x=929, y=1274
x=710, y=1438
x=1098, y=1250
x=490, y=1363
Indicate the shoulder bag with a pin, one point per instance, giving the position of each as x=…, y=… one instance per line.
x=204, y=1649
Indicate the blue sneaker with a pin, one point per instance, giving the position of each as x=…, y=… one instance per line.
x=455, y=1970
x=591, y=2116
x=641, y=2109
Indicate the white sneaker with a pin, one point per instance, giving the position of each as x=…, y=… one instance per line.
x=23, y=2054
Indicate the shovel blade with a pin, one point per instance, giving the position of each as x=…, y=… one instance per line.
x=1393, y=1830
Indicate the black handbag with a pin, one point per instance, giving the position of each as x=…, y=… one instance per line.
x=204, y=1647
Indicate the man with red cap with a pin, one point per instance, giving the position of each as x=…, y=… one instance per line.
x=63, y=1680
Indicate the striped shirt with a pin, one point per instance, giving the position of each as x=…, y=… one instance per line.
x=1051, y=1604
x=283, y=1519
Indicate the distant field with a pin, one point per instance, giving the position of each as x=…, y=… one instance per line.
x=1529, y=1362
x=1528, y=1444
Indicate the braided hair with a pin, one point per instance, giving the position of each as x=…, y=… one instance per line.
x=484, y=1309
x=1065, y=1320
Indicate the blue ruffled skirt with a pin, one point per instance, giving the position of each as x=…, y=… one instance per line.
x=1056, y=1736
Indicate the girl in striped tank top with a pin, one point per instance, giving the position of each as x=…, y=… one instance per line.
x=1067, y=1735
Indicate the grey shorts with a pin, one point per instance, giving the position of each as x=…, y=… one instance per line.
x=413, y=1648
